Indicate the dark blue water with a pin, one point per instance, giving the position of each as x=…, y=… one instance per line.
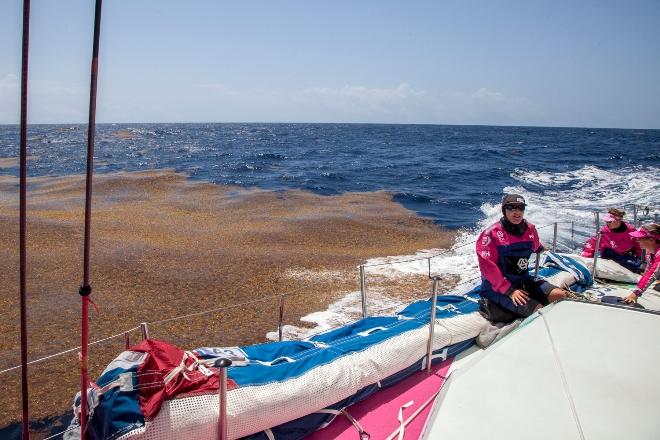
x=444, y=172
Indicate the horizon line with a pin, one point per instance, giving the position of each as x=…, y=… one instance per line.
x=338, y=123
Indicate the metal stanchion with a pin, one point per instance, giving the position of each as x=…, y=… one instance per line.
x=363, y=291
x=429, y=345
x=598, y=237
x=127, y=340
x=538, y=263
x=281, y=318
x=145, y=330
x=597, y=221
x=222, y=365
x=554, y=238
x=635, y=216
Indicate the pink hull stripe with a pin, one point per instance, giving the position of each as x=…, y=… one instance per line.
x=378, y=414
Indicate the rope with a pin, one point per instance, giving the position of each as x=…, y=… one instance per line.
x=402, y=424
x=69, y=350
x=364, y=435
x=569, y=396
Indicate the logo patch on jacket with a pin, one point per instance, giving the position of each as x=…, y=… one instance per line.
x=515, y=265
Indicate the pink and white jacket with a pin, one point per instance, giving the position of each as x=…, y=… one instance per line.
x=651, y=274
x=503, y=257
x=619, y=242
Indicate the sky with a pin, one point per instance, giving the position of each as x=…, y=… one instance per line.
x=525, y=62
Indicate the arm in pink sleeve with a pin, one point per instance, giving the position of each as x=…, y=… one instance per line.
x=487, y=256
x=649, y=276
x=589, y=248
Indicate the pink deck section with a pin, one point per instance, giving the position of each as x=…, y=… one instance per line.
x=378, y=414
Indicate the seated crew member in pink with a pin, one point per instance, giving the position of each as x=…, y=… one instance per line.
x=508, y=291
x=615, y=242
x=648, y=237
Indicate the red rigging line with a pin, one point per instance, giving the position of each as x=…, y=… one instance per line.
x=22, y=216
x=85, y=289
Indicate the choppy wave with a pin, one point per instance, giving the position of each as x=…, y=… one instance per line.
x=443, y=172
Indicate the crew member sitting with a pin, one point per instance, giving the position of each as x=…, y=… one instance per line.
x=508, y=291
x=615, y=242
x=648, y=237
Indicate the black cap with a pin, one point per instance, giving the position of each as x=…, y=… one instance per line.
x=513, y=199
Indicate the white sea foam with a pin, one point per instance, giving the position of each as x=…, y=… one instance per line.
x=580, y=193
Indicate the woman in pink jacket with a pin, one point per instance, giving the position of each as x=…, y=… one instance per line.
x=615, y=242
x=648, y=237
x=508, y=290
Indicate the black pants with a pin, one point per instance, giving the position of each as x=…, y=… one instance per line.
x=630, y=262
x=497, y=307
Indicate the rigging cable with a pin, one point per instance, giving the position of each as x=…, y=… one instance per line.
x=85, y=289
x=22, y=217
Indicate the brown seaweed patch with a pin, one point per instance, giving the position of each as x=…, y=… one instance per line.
x=163, y=246
x=12, y=162
x=125, y=134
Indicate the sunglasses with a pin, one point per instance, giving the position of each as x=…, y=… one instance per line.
x=520, y=208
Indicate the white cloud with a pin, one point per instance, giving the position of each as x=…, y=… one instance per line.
x=486, y=106
x=402, y=103
x=484, y=94
x=398, y=104
x=53, y=101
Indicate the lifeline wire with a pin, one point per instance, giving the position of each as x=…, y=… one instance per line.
x=69, y=350
x=445, y=251
x=61, y=433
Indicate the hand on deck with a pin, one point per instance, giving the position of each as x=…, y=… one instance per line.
x=519, y=297
x=631, y=299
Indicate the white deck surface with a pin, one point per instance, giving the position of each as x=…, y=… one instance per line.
x=514, y=390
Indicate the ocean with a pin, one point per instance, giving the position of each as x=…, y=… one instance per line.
x=449, y=173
